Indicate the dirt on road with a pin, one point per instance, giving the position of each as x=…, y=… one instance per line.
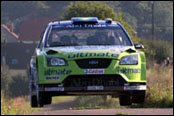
x=65, y=108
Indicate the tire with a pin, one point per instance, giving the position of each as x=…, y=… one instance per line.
x=47, y=99
x=33, y=97
x=138, y=96
x=41, y=103
x=40, y=99
x=44, y=99
x=34, y=103
x=125, y=100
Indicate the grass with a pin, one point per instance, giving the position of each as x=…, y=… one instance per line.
x=21, y=105
x=120, y=113
x=160, y=87
x=15, y=106
x=61, y=98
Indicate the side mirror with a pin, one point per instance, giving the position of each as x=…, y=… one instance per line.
x=139, y=46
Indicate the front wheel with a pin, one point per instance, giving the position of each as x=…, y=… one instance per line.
x=125, y=100
x=36, y=99
x=32, y=89
x=34, y=103
x=138, y=96
x=47, y=99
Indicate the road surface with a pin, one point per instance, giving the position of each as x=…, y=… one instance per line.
x=64, y=108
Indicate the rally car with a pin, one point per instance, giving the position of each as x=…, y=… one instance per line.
x=87, y=56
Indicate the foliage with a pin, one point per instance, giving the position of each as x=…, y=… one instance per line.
x=157, y=50
x=160, y=87
x=19, y=86
x=6, y=79
x=17, y=11
x=6, y=109
x=13, y=86
x=61, y=98
x=89, y=9
x=97, y=9
x=15, y=106
x=141, y=14
x=120, y=113
x=136, y=13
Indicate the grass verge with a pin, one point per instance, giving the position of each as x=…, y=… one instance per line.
x=160, y=87
x=15, y=106
x=120, y=113
x=61, y=98
x=21, y=105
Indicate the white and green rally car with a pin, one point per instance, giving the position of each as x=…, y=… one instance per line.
x=87, y=56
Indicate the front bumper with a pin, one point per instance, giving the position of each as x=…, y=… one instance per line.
x=92, y=84
x=91, y=88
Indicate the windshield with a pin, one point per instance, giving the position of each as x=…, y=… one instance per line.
x=87, y=36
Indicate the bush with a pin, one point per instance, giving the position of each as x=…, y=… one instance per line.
x=14, y=86
x=100, y=10
x=17, y=106
x=6, y=109
x=157, y=50
x=160, y=87
x=6, y=79
x=19, y=86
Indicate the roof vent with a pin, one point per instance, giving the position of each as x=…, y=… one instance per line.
x=108, y=20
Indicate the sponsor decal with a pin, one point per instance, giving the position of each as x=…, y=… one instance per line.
x=95, y=88
x=54, y=89
x=57, y=72
x=52, y=78
x=140, y=87
x=128, y=70
x=94, y=71
x=81, y=54
x=85, y=25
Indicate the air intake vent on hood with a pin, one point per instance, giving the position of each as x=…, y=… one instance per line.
x=51, y=52
x=130, y=50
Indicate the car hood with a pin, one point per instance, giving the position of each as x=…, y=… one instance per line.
x=79, y=52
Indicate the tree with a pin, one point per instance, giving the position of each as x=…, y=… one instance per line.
x=142, y=12
x=97, y=9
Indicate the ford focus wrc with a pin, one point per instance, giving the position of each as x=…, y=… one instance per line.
x=87, y=56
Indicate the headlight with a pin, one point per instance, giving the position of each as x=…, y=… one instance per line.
x=133, y=59
x=54, y=61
